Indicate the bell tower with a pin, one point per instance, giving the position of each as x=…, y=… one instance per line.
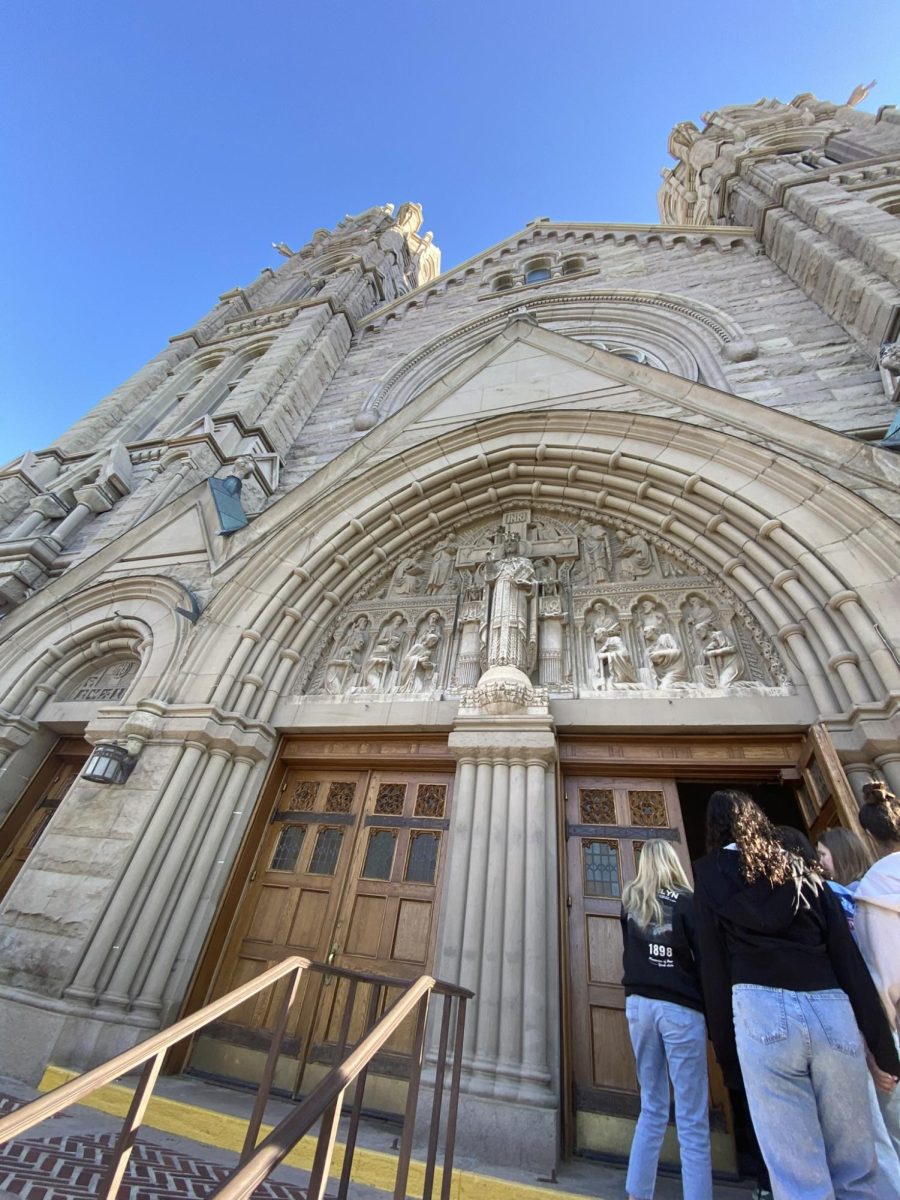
x=227, y=398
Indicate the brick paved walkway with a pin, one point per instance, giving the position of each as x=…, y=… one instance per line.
x=69, y=1168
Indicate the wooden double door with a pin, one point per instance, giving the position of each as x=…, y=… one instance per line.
x=347, y=872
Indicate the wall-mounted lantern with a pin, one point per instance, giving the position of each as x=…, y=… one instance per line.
x=108, y=763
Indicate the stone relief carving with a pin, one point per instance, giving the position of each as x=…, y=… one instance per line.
x=406, y=577
x=344, y=665
x=108, y=683
x=614, y=662
x=562, y=605
x=668, y=662
x=723, y=657
x=442, y=565
x=420, y=662
x=384, y=661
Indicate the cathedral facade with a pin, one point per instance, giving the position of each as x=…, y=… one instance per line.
x=400, y=606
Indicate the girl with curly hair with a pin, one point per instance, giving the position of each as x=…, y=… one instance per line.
x=787, y=993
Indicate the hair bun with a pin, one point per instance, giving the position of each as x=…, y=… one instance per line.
x=876, y=792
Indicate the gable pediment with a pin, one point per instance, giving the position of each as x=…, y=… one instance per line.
x=526, y=367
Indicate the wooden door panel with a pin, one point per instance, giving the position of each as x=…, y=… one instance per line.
x=310, y=914
x=825, y=796
x=604, y=950
x=365, y=927
x=271, y=913
x=413, y=927
x=611, y=1058
x=607, y=820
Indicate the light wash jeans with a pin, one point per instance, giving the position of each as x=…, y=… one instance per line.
x=805, y=1072
x=669, y=1041
x=890, y=1111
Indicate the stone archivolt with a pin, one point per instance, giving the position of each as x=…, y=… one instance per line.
x=688, y=337
x=581, y=606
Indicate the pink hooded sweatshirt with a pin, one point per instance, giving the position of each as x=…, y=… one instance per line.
x=878, y=930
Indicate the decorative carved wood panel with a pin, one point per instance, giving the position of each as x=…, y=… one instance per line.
x=716, y=756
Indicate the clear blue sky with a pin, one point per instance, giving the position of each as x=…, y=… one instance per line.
x=153, y=150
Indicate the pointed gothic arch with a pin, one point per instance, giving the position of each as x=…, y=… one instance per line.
x=785, y=539
x=133, y=617
x=689, y=337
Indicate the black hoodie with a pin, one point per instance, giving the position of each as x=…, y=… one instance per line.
x=792, y=935
x=660, y=962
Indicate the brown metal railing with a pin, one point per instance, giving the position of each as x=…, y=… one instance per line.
x=325, y=1100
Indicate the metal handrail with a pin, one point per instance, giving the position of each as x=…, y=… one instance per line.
x=257, y=1162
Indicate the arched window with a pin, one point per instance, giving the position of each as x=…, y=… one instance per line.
x=572, y=266
x=503, y=283
x=537, y=274
x=241, y=367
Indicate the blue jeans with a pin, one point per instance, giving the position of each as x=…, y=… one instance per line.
x=669, y=1041
x=805, y=1073
x=890, y=1111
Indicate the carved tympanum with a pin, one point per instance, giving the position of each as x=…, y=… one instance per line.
x=564, y=605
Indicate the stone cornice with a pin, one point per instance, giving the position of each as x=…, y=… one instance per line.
x=212, y=727
x=553, y=226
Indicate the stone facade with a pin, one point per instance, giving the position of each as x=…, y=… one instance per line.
x=598, y=476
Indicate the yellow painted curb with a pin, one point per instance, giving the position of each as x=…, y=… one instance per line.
x=373, y=1168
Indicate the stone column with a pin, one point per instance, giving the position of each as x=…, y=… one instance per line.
x=889, y=766
x=794, y=638
x=551, y=642
x=468, y=666
x=858, y=774
x=498, y=933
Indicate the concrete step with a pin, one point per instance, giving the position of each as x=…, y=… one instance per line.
x=193, y=1132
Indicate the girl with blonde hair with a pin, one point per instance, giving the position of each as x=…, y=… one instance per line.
x=664, y=1008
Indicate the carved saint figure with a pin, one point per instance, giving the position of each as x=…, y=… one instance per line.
x=441, y=568
x=419, y=663
x=723, y=658
x=667, y=659
x=406, y=577
x=593, y=566
x=614, y=663
x=652, y=618
x=509, y=636
x=342, y=671
x=385, y=657
x=547, y=574
x=635, y=558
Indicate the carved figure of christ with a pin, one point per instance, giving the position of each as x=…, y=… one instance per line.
x=509, y=624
